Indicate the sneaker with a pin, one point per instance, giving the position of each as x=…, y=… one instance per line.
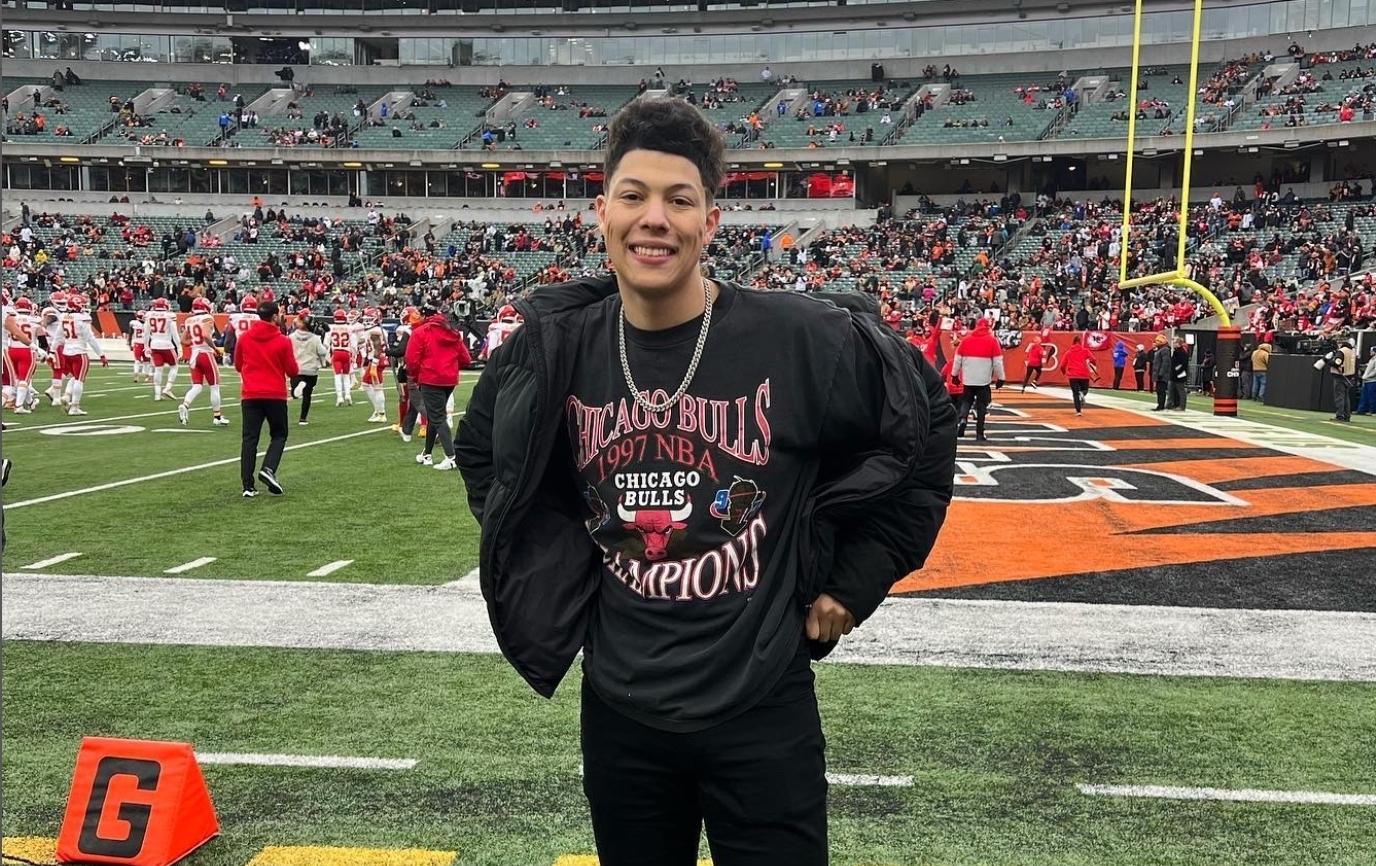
x=76, y=410
x=183, y=414
x=220, y=421
x=338, y=403
x=302, y=423
x=274, y=487
x=25, y=410
x=5, y=466
x=405, y=437
x=425, y=460
x=167, y=392
x=446, y=463
x=250, y=493
x=1034, y=387
x=299, y=390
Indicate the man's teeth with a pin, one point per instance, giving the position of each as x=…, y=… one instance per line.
x=652, y=252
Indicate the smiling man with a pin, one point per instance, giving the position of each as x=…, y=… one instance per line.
x=702, y=488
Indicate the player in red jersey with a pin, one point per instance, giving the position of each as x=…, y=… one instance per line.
x=164, y=346
x=342, y=345
x=78, y=344
x=205, y=363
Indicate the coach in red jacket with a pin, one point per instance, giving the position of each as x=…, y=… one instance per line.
x=435, y=354
x=264, y=358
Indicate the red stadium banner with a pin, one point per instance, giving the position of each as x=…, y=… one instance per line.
x=1055, y=343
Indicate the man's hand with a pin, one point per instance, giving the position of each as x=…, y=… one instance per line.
x=828, y=620
x=998, y=384
x=104, y=361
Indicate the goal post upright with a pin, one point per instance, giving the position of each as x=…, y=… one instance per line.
x=1229, y=335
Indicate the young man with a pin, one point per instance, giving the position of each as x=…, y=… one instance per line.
x=702, y=488
x=978, y=364
x=265, y=360
x=374, y=355
x=138, y=345
x=205, y=362
x=23, y=353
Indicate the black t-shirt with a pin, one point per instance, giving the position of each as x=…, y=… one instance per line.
x=697, y=509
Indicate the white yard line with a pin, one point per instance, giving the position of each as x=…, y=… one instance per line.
x=94, y=420
x=863, y=781
x=1094, y=638
x=185, y=469
x=187, y=566
x=329, y=761
x=44, y=563
x=1235, y=795
x=330, y=568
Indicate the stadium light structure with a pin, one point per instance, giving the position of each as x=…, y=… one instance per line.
x=1229, y=335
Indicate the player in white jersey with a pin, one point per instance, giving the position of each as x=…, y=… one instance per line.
x=508, y=320
x=343, y=345
x=78, y=344
x=374, y=354
x=205, y=367
x=356, y=327
x=240, y=322
x=164, y=346
x=22, y=352
x=52, y=328
x=138, y=344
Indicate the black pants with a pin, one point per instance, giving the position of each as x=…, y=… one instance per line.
x=305, y=392
x=1342, y=398
x=436, y=424
x=1180, y=390
x=1162, y=387
x=758, y=781
x=255, y=413
x=1138, y=375
x=1079, y=388
x=410, y=395
x=1031, y=374
x=1117, y=377
x=979, y=397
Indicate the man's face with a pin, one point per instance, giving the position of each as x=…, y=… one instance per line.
x=656, y=219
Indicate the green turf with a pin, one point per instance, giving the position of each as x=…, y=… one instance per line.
x=363, y=498
x=995, y=755
x=1361, y=429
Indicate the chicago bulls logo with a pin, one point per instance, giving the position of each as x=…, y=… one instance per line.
x=655, y=526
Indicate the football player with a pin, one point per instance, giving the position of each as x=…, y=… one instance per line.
x=342, y=345
x=410, y=317
x=508, y=320
x=23, y=353
x=164, y=345
x=374, y=354
x=78, y=344
x=52, y=330
x=243, y=320
x=357, y=328
x=138, y=345
x=205, y=367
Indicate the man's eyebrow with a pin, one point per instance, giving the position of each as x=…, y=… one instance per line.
x=674, y=188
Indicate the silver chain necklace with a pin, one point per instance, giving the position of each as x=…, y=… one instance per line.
x=641, y=400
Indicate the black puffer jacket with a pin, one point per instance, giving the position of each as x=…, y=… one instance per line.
x=875, y=516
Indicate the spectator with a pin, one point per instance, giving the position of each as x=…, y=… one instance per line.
x=1367, y=404
x=310, y=357
x=1079, y=369
x=1161, y=370
x=1261, y=362
x=1140, y=362
x=978, y=363
x=1180, y=375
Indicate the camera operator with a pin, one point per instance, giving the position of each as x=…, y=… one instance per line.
x=1342, y=363
x=435, y=354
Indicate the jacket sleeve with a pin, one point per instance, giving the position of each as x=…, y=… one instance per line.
x=890, y=537
x=289, y=365
x=398, y=349
x=473, y=444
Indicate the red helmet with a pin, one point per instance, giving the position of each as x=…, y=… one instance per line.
x=371, y=316
x=303, y=313
x=24, y=305
x=200, y=305
x=508, y=314
x=59, y=301
x=161, y=304
x=410, y=316
x=352, y=316
x=249, y=304
x=76, y=302
x=340, y=317
x=140, y=315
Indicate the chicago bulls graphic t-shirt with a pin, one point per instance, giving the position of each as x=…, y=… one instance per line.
x=697, y=509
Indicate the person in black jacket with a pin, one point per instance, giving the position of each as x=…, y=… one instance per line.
x=700, y=510
x=1161, y=370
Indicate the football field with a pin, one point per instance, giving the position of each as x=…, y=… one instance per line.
x=1141, y=639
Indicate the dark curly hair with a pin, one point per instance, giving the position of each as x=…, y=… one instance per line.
x=668, y=126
